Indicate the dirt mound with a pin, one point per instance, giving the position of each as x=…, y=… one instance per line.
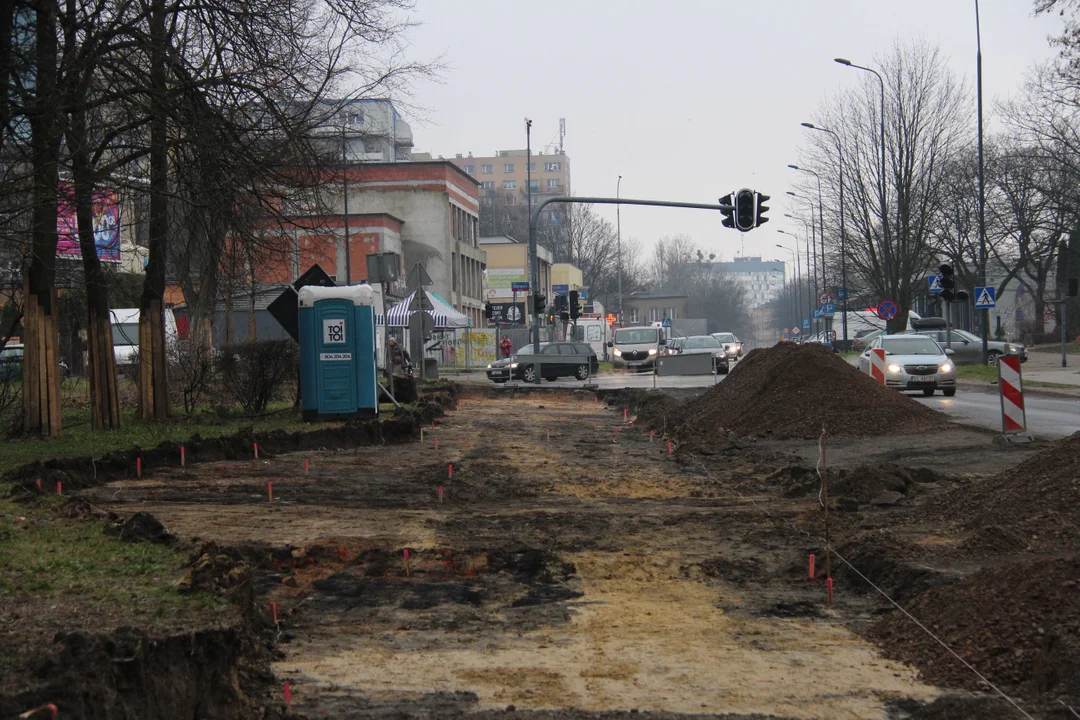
x=880, y=485
x=1019, y=625
x=1037, y=501
x=792, y=391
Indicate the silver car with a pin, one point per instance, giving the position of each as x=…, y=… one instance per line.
x=968, y=346
x=914, y=362
x=731, y=344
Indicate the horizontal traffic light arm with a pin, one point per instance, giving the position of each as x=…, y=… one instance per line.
x=621, y=201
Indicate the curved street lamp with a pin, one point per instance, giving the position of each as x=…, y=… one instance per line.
x=843, y=233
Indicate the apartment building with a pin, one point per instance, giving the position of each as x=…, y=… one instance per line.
x=763, y=279
x=366, y=130
x=504, y=176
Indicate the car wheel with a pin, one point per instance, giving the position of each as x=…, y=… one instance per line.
x=928, y=391
x=992, y=357
x=948, y=392
x=529, y=374
x=582, y=372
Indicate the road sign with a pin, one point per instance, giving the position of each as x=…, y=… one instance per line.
x=519, y=287
x=794, y=331
x=666, y=322
x=583, y=293
x=886, y=310
x=935, y=283
x=805, y=323
x=841, y=294
x=817, y=313
x=828, y=308
x=985, y=298
x=418, y=277
x=824, y=298
x=559, y=289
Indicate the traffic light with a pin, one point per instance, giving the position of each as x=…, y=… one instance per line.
x=729, y=215
x=575, y=308
x=745, y=210
x=539, y=303
x=560, y=303
x=762, y=208
x=487, y=311
x=948, y=283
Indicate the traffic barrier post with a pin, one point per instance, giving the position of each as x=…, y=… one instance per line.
x=1011, y=388
x=877, y=365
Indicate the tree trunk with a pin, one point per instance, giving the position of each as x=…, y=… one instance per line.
x=41, y=361
x=154, y=394
x=101, y=361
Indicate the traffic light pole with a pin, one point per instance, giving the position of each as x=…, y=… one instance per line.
x=535, y=214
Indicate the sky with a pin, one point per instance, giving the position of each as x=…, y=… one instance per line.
x=686, y=99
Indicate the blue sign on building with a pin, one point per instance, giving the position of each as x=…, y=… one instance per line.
x=560, y=289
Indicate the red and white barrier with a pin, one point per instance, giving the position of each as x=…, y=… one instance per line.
x=877, y=365
x=1013, y=417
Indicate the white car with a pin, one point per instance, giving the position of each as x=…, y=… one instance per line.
x=731, y=344
x=913, y=362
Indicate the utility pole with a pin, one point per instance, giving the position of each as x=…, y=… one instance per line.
x=618, y=234
x=534, y=268
x=345, y=191
x=984, y=319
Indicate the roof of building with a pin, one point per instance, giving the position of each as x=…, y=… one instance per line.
x=499, y=240
x=658, y=294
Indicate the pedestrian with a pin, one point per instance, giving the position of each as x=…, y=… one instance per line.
x=506, y=346
x=399, y=356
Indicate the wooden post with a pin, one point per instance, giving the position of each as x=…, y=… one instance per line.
x=825, y=496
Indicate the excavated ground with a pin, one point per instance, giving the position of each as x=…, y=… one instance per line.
x=573, y=568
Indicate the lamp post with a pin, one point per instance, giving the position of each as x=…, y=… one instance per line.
x=821, y=223
x=884, y=193
x=843, y=233
x=618, y=234
x=811, y=242
x=809, y=300
x=795, y=262
x=984, y=319
x=345, y=195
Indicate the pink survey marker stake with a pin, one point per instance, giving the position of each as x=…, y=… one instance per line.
x=183, y=457
x=440, y=494
x=288, y=693
x=138, y=467
x=830, y=586
x=811, y=572
x=270, y=490
x=305, y=467
x=273, y=612
x=668, y=447
x=405, y=552
x=450, y=470
x=38, y=483
x=59, y=488
x=256, y=446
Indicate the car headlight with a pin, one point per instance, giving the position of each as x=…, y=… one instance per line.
x=894, y=368
x=1011, y=349
x=618, y=352
x=652, y=351
x=513, y=366
x=489, y=366
x=946, y=368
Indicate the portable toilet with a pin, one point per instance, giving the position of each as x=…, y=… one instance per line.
x=338, y=373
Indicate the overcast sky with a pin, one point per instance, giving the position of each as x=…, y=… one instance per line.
x=686, y=99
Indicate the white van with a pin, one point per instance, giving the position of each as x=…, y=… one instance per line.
x=595, y=332
x=125, y=333
x=637, y=348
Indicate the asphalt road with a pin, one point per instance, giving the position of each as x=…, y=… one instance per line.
x=1047, y=417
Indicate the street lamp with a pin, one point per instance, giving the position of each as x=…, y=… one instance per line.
x=811, y=241
x=821, y=222
x=884, y=201
x=798, y=271
x=984, y=320
x=809, y=300
x=618, y=232
x=843, y=234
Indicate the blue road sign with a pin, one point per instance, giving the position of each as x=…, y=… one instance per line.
x=817, y=313
x=935, y=283
x=886, y=310
x=828, y=309
x=666, y=322
x=559, y=289
x=841, y=294
x=985, y=298
x=519, y=287
x=805, y=323
x=583, y=293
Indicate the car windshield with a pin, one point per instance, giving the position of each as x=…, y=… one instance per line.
x=725, y=337
x=702, y=342
x=636, y=336
x=528, y=349
x=11, y=352
x=914, y=345
x=968, y=336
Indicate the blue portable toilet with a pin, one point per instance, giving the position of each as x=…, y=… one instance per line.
x=338, y=373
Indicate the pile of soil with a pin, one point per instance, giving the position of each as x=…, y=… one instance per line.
x=880, y=485
x=1036, y=503
x=1018, y=625
x=793, y=391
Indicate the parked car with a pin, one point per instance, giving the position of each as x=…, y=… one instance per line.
x=11, y=358
x=708, y=345
x=967, y=347
x=557, y=359
x=863, y=338
x=637, y=348
x=914, y=362
x=675, y=345
x=731, y=344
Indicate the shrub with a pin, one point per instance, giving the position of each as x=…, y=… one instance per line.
x=254, y=372
x=191, y=370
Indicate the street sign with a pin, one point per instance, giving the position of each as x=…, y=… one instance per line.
x=583, y=293
x=418, y=277
x=824, y=298
x=520, y=287
x=985, y=298
x=805, y=323
x=841, y=294
x=817, y=313
x=886, y=310
x=559, y=289
x=935, y=283
x=666, y=322
x=828, y=308
x=794, y=331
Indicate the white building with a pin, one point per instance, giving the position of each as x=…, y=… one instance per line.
x=763, y=279
x=371, y=130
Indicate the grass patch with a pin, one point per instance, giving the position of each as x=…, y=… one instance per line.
x=80, y=439
x=1070, y=348
x=605, y=367
x=988, y=373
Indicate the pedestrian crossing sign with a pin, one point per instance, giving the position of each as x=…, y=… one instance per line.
x=935, y=283
x=985, y=298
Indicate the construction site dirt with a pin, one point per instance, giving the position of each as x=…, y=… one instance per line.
x=539, y=553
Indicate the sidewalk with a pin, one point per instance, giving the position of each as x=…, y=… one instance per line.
x=1046, y=367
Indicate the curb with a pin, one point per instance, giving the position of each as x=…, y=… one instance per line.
x=1028, y=390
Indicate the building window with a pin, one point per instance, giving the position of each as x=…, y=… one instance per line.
x=671, y=313
x=552, y=167
x=532, y=167
x=509, y=184
x=511, y=200
x=486, y=201
x=534, y=185
x=508, y=167
x=485, y=169
x=633, y=315
x=470, y=169
x=654, y=314
x=488, y=185
x=553, y=183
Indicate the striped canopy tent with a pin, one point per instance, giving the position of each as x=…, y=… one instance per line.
x=442, y=312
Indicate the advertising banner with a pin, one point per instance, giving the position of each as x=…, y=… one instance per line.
x=106, y=226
